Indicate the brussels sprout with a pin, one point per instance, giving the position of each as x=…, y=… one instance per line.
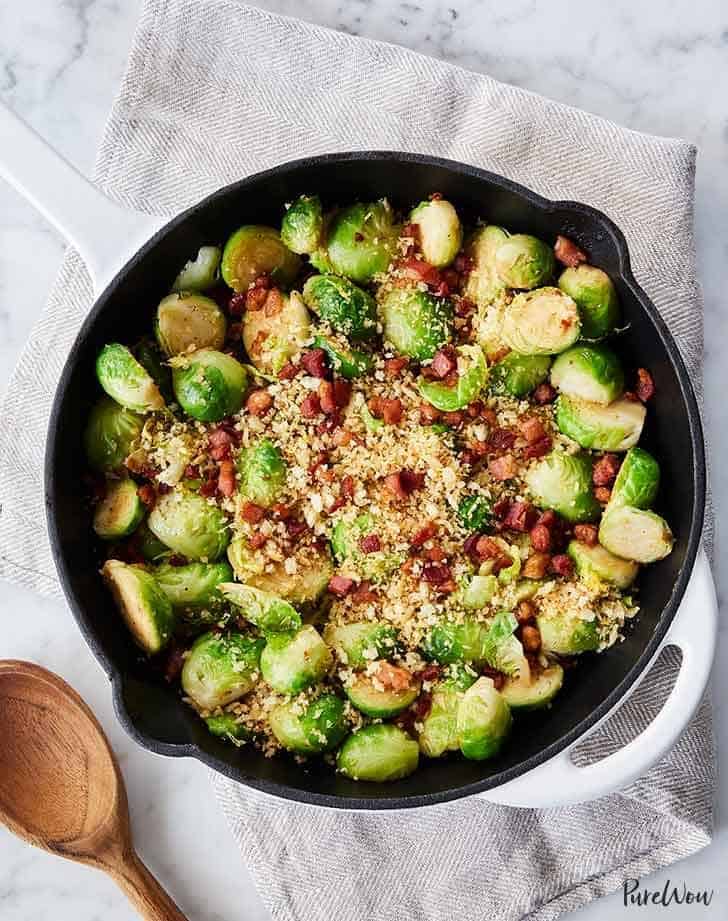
x=317, y=728
x=475, y=513
x=416, y=323
x=262, y=473
x=291, y=662
x=478, y=591
x=361, y=240
x=359, y=644
x=563, y=482
x=616, y=427
x=148, y=544
x=186, y=322
x=595, y=297
x=305, y=585
x=372, y=697
x=537, y=693
x=589, y=372
x=378, y=753
x=149, y=356
x=345, y=540
x=221, y=668
x=120, y=511
x=344, y=360
x=194, y=585
x=596, y=564
x=302, y=227
x=517, y=375
x=126, y=381
x=439, y=728
x=227, y=727
x=201, y=272
x=541, y=322
x=320, y=261
x=635, y=534
x=189, y=525
x=277, y=331
x=567, y=634
x=483, y=284
x=142, y=604
x=440, y=231
x=637, y=481
x=483, y=721
x=110, y=435
x=263, y=610
x=472, y=374
x=255, y=250
x=340, y=303
x=523, y=261
x=209, y=385
x=490, y=644
x=509, y=573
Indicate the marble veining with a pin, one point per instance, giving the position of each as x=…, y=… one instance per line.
x=655, y=66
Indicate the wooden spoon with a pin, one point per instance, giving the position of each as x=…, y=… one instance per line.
x=60, y=785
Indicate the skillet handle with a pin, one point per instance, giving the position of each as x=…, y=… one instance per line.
x=104, y=234
x=559, y=782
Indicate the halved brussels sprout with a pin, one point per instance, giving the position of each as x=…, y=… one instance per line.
x=305, y=585
x=541, y=322
x=567, y=634
x=491, y=644
x=483, y=284
x=320, y=261
x=186, y=322
x=439, y=728
x=302, y=227
x=221, y=668
x=111, y=434
x=635, y=534
x=589, y=372
x=597, y=564
x=595, y=297
x=475, y=513
x=637, y=481
x=262, y=473
x=149, y=545
x=340, y=303
x=291, y=662
x=255, y=250
x=189, y=525
x=478, y=591
x=483, y=721
x=226, y=727
x=517, y=375
x=472, y=373
x=378, y=753
x=201, y=272
x=440, y=231
x=537, y=693
x=616, y=427
x=149, y=356
x=345, y=540
x=344, y=360
x=209, y=385
x=126, y=381
x=145, y=608
x=264, y=610
x=317, y=728
x=277, y=331
x=415, y=322
x=361, y=240
x=523, y=261
x=120, y=511
x=563, y=482
x=194, y=585
x=359, y=644
x=369, y=695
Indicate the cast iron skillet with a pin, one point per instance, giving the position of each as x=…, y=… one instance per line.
x=152, y=712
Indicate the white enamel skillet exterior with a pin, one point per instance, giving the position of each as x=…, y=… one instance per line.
x=107, y=236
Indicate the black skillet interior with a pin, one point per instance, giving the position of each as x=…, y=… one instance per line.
x=151, y=711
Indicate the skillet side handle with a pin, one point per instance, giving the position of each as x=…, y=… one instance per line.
x=559, y=782
x=104, y=234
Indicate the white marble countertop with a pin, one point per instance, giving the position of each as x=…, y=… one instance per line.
x=654, y=66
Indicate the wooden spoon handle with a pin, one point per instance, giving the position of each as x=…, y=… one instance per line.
x=143, y=890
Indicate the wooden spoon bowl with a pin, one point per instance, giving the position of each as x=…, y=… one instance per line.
x=60, y=785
